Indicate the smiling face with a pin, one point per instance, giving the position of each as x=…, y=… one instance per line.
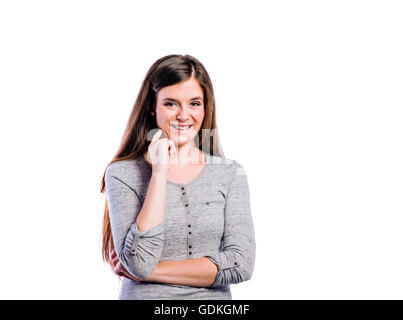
x=180, y=111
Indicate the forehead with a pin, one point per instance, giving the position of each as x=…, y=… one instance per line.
x=184, y=90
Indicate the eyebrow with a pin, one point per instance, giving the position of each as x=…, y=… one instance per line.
x=195, y=98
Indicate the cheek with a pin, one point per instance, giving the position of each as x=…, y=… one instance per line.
x=199, y=116
x=163, y=116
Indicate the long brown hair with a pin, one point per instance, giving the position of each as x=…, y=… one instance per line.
x=166, y=71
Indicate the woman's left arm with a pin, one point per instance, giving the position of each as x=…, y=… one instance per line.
x=197, y=272
x=237, y=260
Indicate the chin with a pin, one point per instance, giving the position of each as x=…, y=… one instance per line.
x=181, y=141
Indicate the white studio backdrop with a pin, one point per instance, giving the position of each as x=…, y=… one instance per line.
x=309, y=101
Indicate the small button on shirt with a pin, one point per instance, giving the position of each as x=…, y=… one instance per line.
x=207, y=217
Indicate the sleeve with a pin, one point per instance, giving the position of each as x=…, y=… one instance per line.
x=237, y=259
x=139, y=252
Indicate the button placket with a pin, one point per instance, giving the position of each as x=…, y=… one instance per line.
x=189, y=228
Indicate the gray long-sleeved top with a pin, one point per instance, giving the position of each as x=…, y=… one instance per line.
x=208, y=217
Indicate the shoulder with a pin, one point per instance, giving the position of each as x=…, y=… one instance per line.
x=225, y=169
x=130, y=172
x=120, y=168
x=224, y=163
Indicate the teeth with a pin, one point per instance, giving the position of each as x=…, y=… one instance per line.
x=180, y=128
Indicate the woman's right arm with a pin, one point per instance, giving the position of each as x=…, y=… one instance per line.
x=153, y=211
x=138, y=229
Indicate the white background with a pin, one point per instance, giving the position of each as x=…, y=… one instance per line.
x=309, y=101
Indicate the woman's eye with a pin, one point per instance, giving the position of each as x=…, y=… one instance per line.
x=172, y=104
x=169, y=104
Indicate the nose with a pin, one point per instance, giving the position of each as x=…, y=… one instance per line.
x=183, y=114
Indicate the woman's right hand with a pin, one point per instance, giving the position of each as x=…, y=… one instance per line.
x=118, y=269
x=160, y=151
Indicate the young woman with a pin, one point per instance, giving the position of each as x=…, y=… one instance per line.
x=177, y=221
